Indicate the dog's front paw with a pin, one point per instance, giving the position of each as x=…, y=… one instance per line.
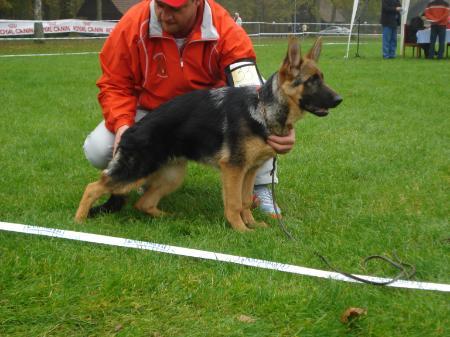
x=258, y=224
x=248, y=219
x=236, y=221
x=241, y=228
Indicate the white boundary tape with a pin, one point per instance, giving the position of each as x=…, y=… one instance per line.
x=201, y=254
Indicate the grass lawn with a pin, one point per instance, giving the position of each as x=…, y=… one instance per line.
x=371, y=178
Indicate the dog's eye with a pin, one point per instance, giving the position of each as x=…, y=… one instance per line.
x=297, y=82
x=310, y=81
x=314, y=80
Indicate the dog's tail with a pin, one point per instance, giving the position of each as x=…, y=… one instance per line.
x=114, y=204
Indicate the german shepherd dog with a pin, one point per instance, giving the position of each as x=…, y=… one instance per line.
x=225, y=127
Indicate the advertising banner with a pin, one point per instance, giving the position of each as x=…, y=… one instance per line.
x=18, y=28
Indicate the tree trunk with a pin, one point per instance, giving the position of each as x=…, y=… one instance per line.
x=38, y=29
x=99, y=9
x=65, y=9
x=333, y=13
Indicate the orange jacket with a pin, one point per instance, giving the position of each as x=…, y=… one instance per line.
x=437, y=12
x=142, y=66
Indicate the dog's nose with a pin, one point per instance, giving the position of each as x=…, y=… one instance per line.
x=337, y=99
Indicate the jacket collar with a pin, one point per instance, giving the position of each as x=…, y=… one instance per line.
x=205, y=30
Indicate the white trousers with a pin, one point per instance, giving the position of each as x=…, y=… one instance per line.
x=98, y=148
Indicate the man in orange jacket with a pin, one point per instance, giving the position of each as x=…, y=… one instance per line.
x=164, y=48
x=437, y=12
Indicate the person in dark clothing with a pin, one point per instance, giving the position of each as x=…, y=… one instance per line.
x=437, y=12
x=415, y=25
x=390, y=19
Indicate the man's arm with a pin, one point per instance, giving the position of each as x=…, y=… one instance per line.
x=118, y=136
x=283, y=144
x=116, y=97
x=119, y=60
x=390, y=7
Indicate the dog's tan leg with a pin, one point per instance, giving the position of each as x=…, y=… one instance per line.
x=159, y=184
x=232, y=181
x=247, y=196
x=91, y=194
x=247, y=200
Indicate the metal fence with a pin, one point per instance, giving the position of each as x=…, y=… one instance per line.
x=275, y=29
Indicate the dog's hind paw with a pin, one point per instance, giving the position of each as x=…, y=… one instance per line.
x=114, y=204
x=152, y=211
x=158, y=213
x=79, y=218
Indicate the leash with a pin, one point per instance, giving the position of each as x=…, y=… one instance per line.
x=405, y=270
x=280, y=222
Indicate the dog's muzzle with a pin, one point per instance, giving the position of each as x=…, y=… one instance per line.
x=322, y=111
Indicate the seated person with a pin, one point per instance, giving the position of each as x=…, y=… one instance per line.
x=416, y=24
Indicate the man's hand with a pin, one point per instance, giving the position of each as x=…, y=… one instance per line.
x=119, y=134
x=282, y=144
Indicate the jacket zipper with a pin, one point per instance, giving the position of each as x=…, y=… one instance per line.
x=186, y=45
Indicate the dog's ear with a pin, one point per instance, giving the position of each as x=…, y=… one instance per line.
x=293, y=59
x=294, y=54
x=314, y=53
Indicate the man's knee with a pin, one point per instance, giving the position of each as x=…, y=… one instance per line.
x=98, y=147
x=96, y=154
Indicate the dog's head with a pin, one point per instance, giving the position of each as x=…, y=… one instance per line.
x=303, y=84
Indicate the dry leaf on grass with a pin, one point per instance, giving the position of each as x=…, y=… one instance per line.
x=352, y=313
x=246, y=319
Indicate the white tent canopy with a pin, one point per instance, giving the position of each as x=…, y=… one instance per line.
x=405, y=6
